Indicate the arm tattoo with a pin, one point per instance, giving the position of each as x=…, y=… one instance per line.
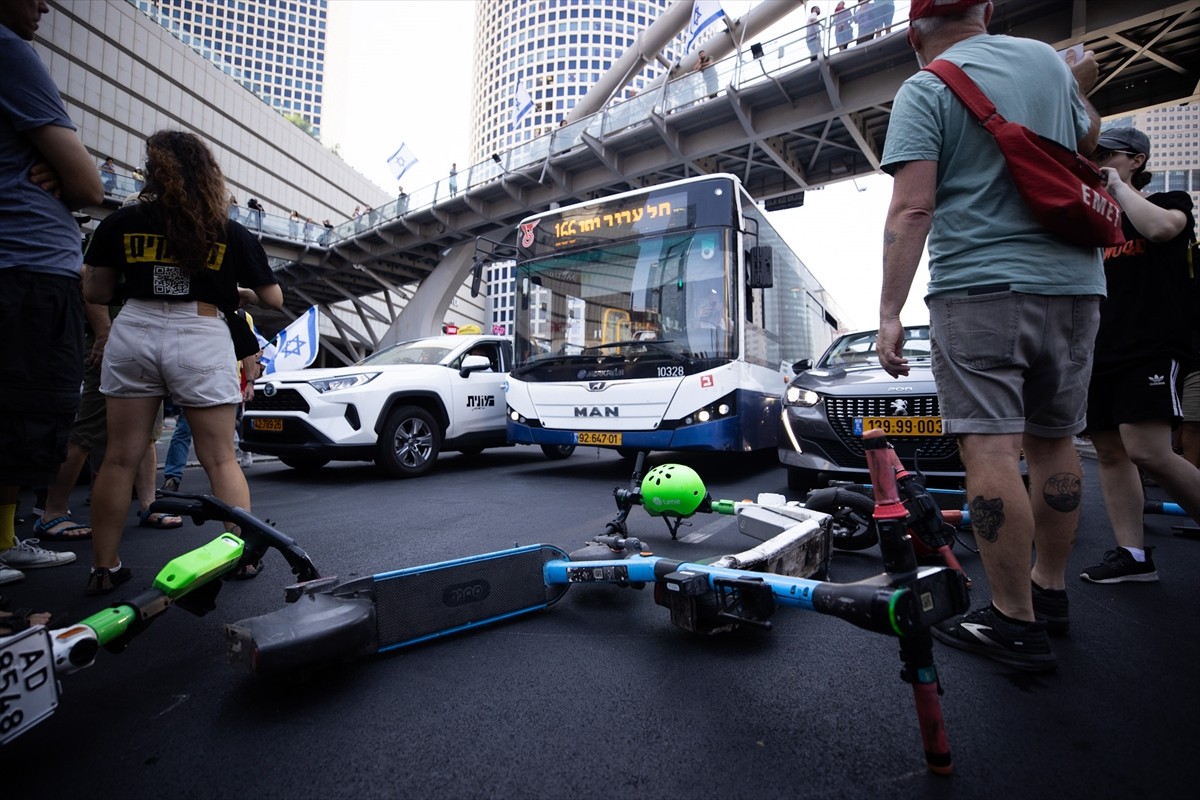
x=987, y=516
x=1063, y=492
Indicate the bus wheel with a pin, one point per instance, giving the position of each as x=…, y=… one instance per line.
x=409, y=443
x=557, y=452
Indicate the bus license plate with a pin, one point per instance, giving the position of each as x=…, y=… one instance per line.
x=28, y=688
x=266, y=424
x=900, y=426
x=598, y=438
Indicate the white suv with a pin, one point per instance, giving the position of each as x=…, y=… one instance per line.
x=399, y=407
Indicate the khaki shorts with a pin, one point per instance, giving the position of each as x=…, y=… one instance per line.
x=1008, y=362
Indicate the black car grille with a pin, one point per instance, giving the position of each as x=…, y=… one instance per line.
x=842, y=411
x=283, y=400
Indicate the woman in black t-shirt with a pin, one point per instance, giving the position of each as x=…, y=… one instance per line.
x=177, y=261
x=1133, y=398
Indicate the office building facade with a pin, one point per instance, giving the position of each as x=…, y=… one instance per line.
x=274, y=48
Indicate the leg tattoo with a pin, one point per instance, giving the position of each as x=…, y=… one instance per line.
x=1063, y=492
x=987, y=516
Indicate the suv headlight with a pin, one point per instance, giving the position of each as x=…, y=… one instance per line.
x=324, y=385
x=796, y=396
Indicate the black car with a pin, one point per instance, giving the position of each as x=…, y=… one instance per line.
x=828, y=406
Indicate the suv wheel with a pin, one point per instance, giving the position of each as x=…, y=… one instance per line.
x=557, y=452
x=409, y=443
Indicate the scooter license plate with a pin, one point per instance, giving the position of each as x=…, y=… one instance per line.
x=28, y=688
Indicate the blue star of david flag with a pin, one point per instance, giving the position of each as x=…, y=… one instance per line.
x=295, y=347
x=704, y=14
x=402, y=161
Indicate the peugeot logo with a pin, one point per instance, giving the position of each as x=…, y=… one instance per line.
x=269, y=390
x=899, y=406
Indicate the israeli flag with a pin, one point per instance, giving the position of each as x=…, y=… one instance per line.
x=524, y=104
x=401, y=161
x=704, y=14
x=295, y=347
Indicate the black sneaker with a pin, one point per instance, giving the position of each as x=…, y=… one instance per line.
x=169, y=485
x=103, y=581
x=1024, y=646
x=1119, y=566
x=1051, y=607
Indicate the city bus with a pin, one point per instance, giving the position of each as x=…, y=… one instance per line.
x=665, y=318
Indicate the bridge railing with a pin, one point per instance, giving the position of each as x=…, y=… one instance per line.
x=751, y=65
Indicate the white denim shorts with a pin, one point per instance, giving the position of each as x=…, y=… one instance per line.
x=159, y=348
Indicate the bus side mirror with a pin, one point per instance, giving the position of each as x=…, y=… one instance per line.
x=761, y=271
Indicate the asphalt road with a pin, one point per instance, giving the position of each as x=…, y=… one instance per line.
x=600, y=696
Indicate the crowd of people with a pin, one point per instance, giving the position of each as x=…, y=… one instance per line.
x=132, y=326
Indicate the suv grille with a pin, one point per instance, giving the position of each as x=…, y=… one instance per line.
x=284, y=400
x=841, y=412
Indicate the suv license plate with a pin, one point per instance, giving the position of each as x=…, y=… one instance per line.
x=598, y=437
x=900, y=426
x=28, y=688
x=266, y=424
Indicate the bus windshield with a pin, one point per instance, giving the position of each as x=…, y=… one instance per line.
x=651, y=300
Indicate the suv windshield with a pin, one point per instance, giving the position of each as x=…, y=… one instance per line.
x=858, y=349
x=407, y=353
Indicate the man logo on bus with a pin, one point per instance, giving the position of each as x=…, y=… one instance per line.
x=527, y=232
x=899, y=406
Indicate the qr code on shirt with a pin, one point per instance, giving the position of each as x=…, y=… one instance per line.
x=170, y=280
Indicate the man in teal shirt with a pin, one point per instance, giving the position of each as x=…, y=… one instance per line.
x=1013, y=311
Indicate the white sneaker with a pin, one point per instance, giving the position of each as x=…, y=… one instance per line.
x=10, y=575
x=247, y=459
x=27, y=555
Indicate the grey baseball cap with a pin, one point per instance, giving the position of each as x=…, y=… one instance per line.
x=1128, y=139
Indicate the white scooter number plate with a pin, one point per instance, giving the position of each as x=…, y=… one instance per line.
x=28, y=688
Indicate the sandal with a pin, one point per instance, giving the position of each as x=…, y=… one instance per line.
x=72, y=533
x=159, y=520
x=21, y=619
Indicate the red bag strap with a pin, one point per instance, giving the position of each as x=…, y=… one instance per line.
x=968, y=93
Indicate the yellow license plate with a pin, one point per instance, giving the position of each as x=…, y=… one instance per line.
x=266, y=424
x=903, y=426
x=599, y=438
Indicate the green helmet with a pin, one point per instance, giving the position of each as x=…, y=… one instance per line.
x=672, y=490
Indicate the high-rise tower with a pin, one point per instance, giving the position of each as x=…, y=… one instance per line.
x=275, y=48
x=556, y=50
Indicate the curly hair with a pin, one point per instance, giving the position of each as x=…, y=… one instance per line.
x=188, y=188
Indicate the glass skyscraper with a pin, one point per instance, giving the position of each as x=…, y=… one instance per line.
x=275, y=48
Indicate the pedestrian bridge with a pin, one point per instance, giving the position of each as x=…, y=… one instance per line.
x=782, y=121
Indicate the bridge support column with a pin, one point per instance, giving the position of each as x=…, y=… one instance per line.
x=423, y=314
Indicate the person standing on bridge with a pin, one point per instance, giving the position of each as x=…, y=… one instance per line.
x=453, y=179
x=178, y=261
x=45, y=172
x=1013, y=312
x=812, y=33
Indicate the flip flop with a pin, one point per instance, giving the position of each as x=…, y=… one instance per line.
x=159, y=520
x=44, y=530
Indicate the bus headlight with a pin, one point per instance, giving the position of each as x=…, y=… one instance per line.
x=801, y=397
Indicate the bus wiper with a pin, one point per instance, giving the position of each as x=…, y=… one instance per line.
x=653, y=344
